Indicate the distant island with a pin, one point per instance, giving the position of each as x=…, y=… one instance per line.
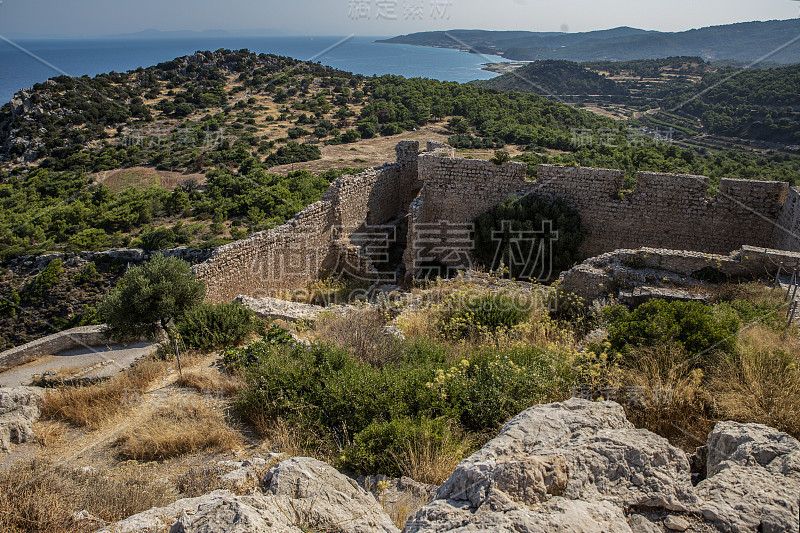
x=742, y=42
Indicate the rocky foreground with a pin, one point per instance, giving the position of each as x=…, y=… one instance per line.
x=576, y=466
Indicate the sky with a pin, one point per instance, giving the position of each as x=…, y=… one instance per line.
x=375, y=17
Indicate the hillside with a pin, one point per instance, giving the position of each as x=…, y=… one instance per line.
x=559, y=78
x=210, y=148
x=744, y=42
x=691, y=96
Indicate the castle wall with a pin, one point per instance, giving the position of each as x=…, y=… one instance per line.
x=441, y=195
x=786, y=235
x=458, y=190
x=316, y=240
x=666, y=210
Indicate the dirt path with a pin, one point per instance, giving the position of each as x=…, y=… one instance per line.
x=64, y=444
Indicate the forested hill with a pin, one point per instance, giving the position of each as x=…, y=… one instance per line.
x=183, y=153
x=745, y=42
x=555, y=77
x=686, y=93
x=85, y=123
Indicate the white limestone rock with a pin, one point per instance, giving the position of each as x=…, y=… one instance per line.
x=571, y=466
x=753, y=479
x=19, y=409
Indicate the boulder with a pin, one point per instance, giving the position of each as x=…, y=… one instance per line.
x=280, y=309
x=299, y=494
x=161, y=518
x=571, y=466
x=331, y=498
x=19, y=409
x=752, y=479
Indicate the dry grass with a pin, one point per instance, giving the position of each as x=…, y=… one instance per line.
x=665, y=396
x=202, y=480
x=400, y=509
x=39, y=497
x=292, y=440
x=213, y=381
x=418, y=323
x=177, y=429
x=92, y=406
x=361, y=332
x=432, y=460
x=761, y=383
x=49, y=433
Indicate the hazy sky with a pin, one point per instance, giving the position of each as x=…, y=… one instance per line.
x=377, y=17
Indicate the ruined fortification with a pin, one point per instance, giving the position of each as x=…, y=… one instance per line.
x=423, y=206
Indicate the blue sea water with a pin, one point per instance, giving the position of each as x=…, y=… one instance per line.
x=361, y=55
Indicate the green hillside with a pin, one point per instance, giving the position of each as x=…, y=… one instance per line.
x=744, y=42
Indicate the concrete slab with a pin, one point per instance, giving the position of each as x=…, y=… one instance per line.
x=88, y=362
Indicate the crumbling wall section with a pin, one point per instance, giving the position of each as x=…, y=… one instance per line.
x=317, y=240
x=666, y=210
x=786, y=235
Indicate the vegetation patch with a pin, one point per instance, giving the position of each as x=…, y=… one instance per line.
x=177, y=429
x=442, y=395
x=533, y=237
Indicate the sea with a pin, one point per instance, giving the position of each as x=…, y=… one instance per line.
x=27, y=62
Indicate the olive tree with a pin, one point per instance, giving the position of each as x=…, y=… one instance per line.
x=148, y=299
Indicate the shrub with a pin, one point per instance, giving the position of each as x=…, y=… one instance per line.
x=696, y=327
x=44, y=281
x=479, y=315
x=425, y=449
x=342, y=402
x=535, y=238
x=500, y=157
x=251, y=355
x=293, y=152
x=87, y=275
x=158, y=239
x=8, y=304
x=210, y=326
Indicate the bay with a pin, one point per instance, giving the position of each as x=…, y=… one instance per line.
x=360, y=54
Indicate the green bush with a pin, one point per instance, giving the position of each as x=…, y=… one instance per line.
x=293, y=152
x=44, y=281
x=210, y=326
x=9, y=303
x=534, y=237
x=87, y=275
x=481, y=314
x=698, y=328
x=253, y=354
x=380, y=445
x=362, y=409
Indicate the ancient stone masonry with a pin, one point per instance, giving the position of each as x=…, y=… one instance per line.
x=666, y=210
x=318, y=239
x=426, y=202
x=786, y=235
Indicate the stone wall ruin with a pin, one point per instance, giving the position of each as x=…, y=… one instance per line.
x=426, y=202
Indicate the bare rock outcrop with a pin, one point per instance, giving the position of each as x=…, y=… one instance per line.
x=753, y=479
x=281, y=309
x=19, y=409
x=300, y=494
x=571, y=466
